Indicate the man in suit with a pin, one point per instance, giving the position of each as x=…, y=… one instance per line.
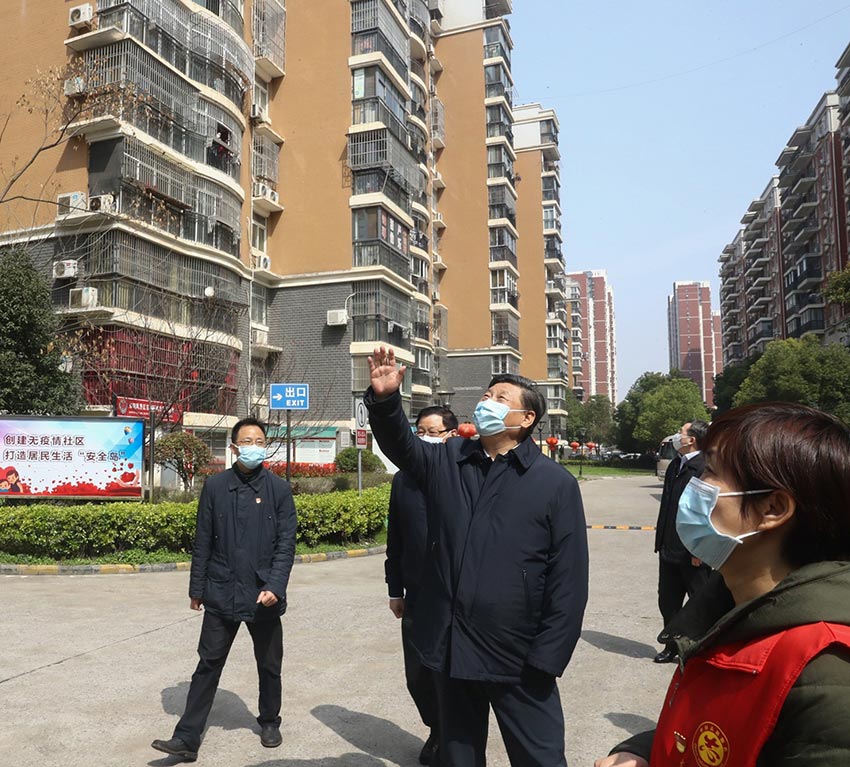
x=241, y=560
x=407, y=541
x=678, y=572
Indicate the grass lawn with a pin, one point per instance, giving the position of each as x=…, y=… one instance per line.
x=592, y=471
x=139, y=557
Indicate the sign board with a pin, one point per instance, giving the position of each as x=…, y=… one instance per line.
x=289, y=396
x=132, y=407
x=360, y=439
x=93, y=458
x=361, y=414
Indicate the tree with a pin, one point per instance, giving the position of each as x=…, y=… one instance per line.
x=31, y=378
x=727, y=383
x=598, y=418
x=837, y=289
x=666, y=408
x=184, y=453
x=801, y=370
x=629, y=410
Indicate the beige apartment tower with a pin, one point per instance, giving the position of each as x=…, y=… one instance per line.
x=247, y=192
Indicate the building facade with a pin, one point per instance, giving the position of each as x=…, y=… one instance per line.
x=693, y=335
x=255, y=192
x=793, y=236
x=595, y=332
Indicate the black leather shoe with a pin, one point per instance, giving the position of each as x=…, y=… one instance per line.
x=666, y=656
x=270, y=736
x=428, y=749
x=175, y=747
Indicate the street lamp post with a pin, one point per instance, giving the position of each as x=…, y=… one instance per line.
x=582, y=435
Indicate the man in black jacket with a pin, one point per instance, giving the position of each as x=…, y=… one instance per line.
x=407, y=534
x=678, y=572
x=505, y=580
x=241, y=559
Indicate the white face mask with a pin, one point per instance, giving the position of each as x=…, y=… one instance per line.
x=432, y=440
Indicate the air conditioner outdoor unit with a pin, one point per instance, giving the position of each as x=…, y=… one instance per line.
x=82, y=298
x=63, y=270
x=262, y=262
x=71, y=203
x=80, y=16
x=102, y=203
x=259, y=336
x=337, y=317
x=75, y=86
x=259, y=114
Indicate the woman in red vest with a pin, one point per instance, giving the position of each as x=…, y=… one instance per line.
x=764, y=675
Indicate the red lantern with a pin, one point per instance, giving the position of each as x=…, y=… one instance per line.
x=575, y=445
x=467, y=430
x=591, y=445
x=552, y=442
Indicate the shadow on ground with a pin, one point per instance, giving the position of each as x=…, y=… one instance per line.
x=631, y=723
x=229, y=711
x=618, y=645
x=370, y=734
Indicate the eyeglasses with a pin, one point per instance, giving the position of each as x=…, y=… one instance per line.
x=259, y=442
x=432, y=433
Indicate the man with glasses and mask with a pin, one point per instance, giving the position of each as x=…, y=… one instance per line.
x=241, y=559
x=678, y=572
x=504, y=584
x=407, y=537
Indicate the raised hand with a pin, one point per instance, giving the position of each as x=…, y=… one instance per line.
x=385, y=376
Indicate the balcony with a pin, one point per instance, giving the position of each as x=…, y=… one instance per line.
x=500, y=253
x=376, y=41
x=500, y=91
x=503, y=296
x=381, y=149
x=377, y=253
x=502, y=211
x=422, y=330
x=807, y=273
x=762, y=329
x=418, y=239
x=269, y=27
x=500, y=128
x=497, y=50
x=438, y=123
x=549, y=140
x=374, y=110
x=493, y=9
x=555, y=287
x=505, y=339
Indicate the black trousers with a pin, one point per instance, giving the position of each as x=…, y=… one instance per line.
x=420, y=679
x=529, y=716
x=674, y=582
x=217, y=635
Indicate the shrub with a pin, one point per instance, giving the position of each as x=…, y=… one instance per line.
x=302, y=469
x=90, y=530
x=346, y=460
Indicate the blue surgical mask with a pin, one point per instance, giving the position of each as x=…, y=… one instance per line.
x=251, y=456
x=697, y=531
x=489, y=417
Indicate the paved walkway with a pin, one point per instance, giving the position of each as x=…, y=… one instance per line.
x=92, y=668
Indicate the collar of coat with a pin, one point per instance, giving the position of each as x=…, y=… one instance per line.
x=237, y=481
x=525, y=453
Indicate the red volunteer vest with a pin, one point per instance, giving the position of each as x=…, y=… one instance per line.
x=720, y=711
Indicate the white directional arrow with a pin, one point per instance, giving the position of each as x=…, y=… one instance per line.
x=278, y=396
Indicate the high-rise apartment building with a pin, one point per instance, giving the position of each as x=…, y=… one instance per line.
x=693, y=335
x=256, y=191
x=792, y=237
x=545, y=335
x=596, y=333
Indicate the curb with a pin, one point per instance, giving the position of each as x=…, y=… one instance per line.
x=166, y=567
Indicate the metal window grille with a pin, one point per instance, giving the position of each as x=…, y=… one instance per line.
x=269, y=27
x=266, y=159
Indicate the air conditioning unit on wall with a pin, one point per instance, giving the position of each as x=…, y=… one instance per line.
x=259, y=114
x=75, y=86
x=262, y=261
x=71, y=203
x=81, y=16
x=64, y=270
x=337, y=317
x=102, y=203
x=82, y=298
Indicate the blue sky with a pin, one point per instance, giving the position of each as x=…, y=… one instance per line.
x=672, y=115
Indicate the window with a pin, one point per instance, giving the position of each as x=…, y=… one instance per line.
x=503, y=363
x=261, y=94
x=377, y=224
x=259, y=305
x=423, y=359
x=259, y=229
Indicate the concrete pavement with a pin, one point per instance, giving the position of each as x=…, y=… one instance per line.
x=92, y=668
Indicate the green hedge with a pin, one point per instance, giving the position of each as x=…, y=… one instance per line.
x=92, y=530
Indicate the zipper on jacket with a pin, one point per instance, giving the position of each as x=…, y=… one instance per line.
x=527, y=593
